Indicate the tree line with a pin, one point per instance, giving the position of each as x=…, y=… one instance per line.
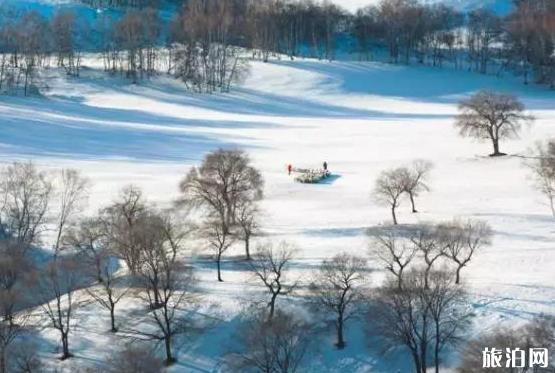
x=206, y=42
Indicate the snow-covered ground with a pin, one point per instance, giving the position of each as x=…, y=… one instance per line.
x=359, y=117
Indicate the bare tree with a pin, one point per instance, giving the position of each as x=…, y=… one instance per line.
x=278, y=345
x=219, y=240
x=111, y=288
x=24, y=357
x=431, y=245
x=247, y=221
x=462, y=239
x=13, y=324
x=416, y=180
x=222, y=183
x=394, y=253
x=449, y=310
x=168, y=286
x=493, y=116
x=120, y=220
x=421, y=318
x=25, y=194
x=543, y=167
x=336, y=289
x=134, y=359
x=63, y=24
x=89, y=239
x=220, y=186
x=538, y=333
x=72, y=190
x=270, y=265
x=389, y=188
x=57, y=285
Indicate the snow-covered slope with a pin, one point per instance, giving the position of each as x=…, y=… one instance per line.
x=361, y=118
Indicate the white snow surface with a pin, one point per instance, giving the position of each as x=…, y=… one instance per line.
x=361, y=118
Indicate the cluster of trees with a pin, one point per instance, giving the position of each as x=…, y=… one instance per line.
x=84, y=264
x=392, y=185
x=204, y=45
x=422, y=305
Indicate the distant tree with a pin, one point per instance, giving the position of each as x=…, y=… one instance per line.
x=389, y=188
x=110, y=290
x=394, y=253
x=71, y=190
x=336, y=290
x=24, y=357
x=223, y=183
x=484, y=29
x=462, y=239
x=32, y=38
x=269, y=265
x=543, y=167
x=276, y=345
x=58, y=282
x=219, y=239
x=432, y=246
x=25, y=194
x=491, y=115
x=134, y=359
x=90, y=241
x=416, y=180
x=420, y=318
x=14, y=322
x=247, y=221
x=167, y=282
x=120, y=221
x=538, y=333
x=63, y=25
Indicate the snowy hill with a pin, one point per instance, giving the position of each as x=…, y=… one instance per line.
x=361, y=118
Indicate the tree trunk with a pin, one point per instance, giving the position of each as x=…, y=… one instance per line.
x=411, y=195
x=458, y=275
x=218, y=260
x=496, y=152
x=65, y=346
x=113, y=319
x=423, y=355
x=272, y=306
x=169, y=356
x=417, y=364
x=436, y=351
x=3, y=368
x=340, y=341
x=247, y=248
x=393, y=215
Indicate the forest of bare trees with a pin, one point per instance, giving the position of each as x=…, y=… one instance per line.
x=207, y=43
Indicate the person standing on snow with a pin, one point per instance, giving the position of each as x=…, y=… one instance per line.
x=289, y=169
x=325, y=166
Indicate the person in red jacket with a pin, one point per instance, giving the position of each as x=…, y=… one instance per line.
x=289, y=169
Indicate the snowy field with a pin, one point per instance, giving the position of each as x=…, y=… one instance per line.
x=361, y=119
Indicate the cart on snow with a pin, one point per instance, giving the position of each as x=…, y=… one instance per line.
x=310, y=176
